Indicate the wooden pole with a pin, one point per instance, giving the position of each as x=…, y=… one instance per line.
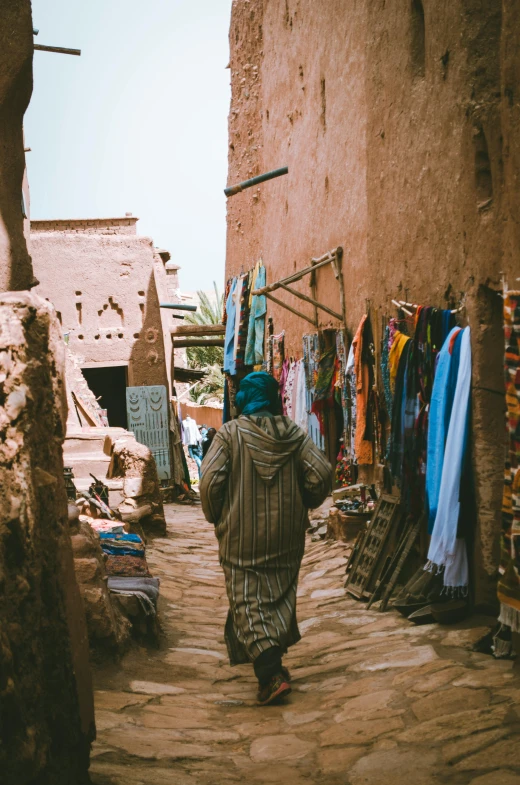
x=292, y=310
x=312, y=302
x=185, y=343
x=58, y=49
x=296, y=276
x=338, y=269
x=198, y=329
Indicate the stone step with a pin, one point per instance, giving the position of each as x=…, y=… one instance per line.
x=83, y=464
x=83, y=443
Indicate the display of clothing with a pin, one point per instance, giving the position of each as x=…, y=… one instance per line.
x=509, y=581
x=190, y=432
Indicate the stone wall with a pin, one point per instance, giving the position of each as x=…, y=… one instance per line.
x=16, y=48
x=399, y=123
x=46, y=705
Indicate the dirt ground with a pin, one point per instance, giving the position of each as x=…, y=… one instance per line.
x=375, y=699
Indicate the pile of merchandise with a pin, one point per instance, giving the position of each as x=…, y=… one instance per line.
x=124, y=552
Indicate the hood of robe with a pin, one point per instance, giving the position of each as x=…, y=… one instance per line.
x=270, y=441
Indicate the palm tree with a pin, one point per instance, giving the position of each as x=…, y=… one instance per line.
x=209, y=358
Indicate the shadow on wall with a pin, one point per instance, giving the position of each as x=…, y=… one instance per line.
x=147, y=359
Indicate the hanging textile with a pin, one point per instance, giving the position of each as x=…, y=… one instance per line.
x=283, y=382
x=350, y=376
x=440, y=413
x=243, y=324
x=278, y=354
x=300, y=414
x=237, y=302
x=311, y=359
x=446, y=551
x=324, y=390
x=227, y=290
x=254, y=354
x=229, y=338
x=509, y=581
x=399, y=342
x=341, y=380
x=289, y=391
x=363, y=446
x=385, y=368
x=398, y=412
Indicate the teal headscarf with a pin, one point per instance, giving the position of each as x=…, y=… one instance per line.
x=258, y=391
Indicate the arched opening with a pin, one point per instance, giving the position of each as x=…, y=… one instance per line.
x=418, y=51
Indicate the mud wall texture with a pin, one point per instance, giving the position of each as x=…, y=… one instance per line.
x=100, y=278
x=16, y=51
x=46, y=705
x=399, y=123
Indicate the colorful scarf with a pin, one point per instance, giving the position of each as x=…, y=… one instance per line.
x=398, y=344
x=324, y=389
x=256, y=328
x=243, y=323
x=509, y=582
x=278, y=354
x=362, y=367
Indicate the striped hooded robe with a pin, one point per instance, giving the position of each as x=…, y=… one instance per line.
x=259, y=478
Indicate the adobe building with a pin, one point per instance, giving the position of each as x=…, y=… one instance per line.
x=106, y=283
x=399, y=123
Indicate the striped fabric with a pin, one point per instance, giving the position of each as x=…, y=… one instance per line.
x=259, y=478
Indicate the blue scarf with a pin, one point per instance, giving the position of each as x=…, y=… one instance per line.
x=258, y=391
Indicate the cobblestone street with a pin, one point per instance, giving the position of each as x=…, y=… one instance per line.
x=375, y=699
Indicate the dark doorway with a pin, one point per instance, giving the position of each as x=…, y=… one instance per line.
x=109, y=386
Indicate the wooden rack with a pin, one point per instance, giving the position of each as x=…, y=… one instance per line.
x=334, y=258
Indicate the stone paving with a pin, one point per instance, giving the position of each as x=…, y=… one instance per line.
x=375, y=699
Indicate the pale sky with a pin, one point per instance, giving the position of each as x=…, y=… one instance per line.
x=137, y=124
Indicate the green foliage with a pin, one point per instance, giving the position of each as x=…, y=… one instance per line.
x=210, y=358
x=210, y=388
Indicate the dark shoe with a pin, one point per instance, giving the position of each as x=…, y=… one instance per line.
x=286, y=674
x=273, y=692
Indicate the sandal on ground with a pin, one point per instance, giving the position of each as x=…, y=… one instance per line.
x=273, y=692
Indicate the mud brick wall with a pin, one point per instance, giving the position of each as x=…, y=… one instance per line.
x=399, y=122
x=46, y=706
x=16, y=50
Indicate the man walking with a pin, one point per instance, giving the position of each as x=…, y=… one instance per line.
x=260, y=476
